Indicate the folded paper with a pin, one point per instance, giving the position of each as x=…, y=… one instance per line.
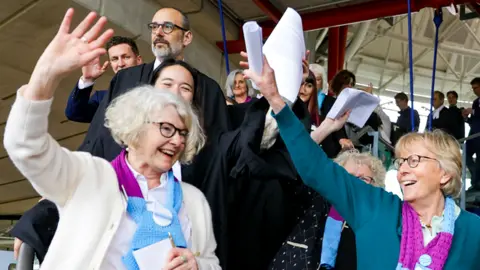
x=360, y=102
x=254, y=42
x=284, y=50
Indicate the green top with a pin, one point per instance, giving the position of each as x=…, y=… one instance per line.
x=374, y=214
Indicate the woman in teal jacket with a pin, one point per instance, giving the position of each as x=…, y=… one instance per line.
x=426, y=231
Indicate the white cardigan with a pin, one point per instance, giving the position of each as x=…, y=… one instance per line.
x=86, y=191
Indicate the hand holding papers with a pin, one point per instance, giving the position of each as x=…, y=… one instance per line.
x=284, y=50
x=359, y=102
x=254, y=42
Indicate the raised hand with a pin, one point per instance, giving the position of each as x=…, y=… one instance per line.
x=265, y=81
x=67, y=52
x=305, y=67
x=336, y=124
x=93, y=70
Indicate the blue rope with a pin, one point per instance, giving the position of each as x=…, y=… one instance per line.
x=438, y=21
x=410, y=59
x=222, y=22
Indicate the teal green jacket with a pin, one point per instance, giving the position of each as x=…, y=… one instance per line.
x=374, y=214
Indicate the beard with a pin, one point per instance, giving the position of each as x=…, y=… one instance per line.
x=166, y=51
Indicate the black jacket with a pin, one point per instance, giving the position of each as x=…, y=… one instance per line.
x=309, y=232
x=445, y=122
x=37, y=227
x=331, y=144
x=457, y=117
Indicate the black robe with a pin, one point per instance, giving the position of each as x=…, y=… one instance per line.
x=309, y=232
x=331, y=144
x=260, y=189
x=37, y=227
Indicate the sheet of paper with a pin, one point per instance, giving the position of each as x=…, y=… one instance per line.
x=360, y=102
x=284, y=49
x=153, y=257
x=252, y=33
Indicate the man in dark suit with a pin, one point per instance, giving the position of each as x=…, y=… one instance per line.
x=170, y=32
x=81, y=106
x=441, y=117
x=473, y=146
x=457, y=114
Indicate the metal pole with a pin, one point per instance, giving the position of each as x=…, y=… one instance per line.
x=224, y=36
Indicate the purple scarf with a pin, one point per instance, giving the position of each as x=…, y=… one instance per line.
x=125, y=177
x=413, y=253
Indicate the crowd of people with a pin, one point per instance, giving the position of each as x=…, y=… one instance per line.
x=172, y=166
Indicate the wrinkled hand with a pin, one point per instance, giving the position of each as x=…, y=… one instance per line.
x=265, y=81
x=17, y=243
x=181, y=259
x=68, y=51
x=93, y=70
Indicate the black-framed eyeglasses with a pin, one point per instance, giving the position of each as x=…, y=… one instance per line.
x=168, y=130
x=412, y=161
x=167, y=27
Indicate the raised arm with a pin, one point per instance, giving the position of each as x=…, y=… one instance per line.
x=52, y=170
x=355, y=200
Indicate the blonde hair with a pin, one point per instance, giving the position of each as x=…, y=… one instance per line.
x=373, y=163
x=446, y=150
x=127, y=115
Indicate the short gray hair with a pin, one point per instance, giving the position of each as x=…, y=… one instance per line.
x=127, y=115
x=373, y=163
x=229, y=84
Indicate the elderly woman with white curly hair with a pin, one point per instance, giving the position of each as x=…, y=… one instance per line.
x=129, y=214
x=239, y=90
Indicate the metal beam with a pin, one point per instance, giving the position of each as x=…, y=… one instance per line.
x=357, y=13
x=333, y=51
x=441, y=46
x=452, y=69
x=343, y=46
x=320, y=38
x=269, y=9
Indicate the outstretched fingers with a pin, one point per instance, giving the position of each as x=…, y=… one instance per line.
x=102, y=40
x=84, y=25
x=89, y=56
x=95, y=31
x=66, y=22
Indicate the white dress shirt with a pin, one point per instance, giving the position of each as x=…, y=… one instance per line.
x=436, y=112
x=155, y=198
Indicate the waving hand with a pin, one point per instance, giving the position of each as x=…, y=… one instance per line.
x=67, y=52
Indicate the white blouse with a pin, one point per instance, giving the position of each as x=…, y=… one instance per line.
x=155, y=198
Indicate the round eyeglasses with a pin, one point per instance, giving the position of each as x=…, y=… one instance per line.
x=168, y=130
x=412, y=161
x=167, y=27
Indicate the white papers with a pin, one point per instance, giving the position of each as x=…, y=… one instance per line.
x=254, y=42
x=284, y=50
x=360, y=102
x=153, y=257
